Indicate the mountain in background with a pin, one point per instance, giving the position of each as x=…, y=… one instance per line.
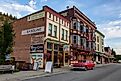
x=4, y=17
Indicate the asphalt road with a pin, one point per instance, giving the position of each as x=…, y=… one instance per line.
x=107, y=73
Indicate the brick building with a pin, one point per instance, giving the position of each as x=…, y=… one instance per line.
x=82, y=34
x=41, y=37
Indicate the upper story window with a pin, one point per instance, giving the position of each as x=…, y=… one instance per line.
x=50, y=15
x=87, y=30
x=75, y=39
x=62, y=34
x=55, y=31
x=50, y=29
x=66, y=34
x=81, y=28
x=74, y=25
x=97, y=38
x=102, y=42
x=56, y=18
x=62, y=21
x=84, y=29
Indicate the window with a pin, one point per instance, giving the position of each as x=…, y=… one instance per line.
x=56, y=18
x=81, y=28
x=98, y=47
x=62, y=21
x=49, y=45
x=49, y=15
x=74, y=39
x=55, y=31
x=97, y=38
x=66, y=34
x=84, y=29
x=62, y=34
x=56, y=46
x=74, y=25
x=87, y=30
x=102, y=42
x=81, y=41
x=50, y=30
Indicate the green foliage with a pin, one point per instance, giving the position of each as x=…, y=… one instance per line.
x=118, y=57
x=6, y=40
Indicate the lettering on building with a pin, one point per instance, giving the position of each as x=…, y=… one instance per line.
x=36, y=16
x=32, y=31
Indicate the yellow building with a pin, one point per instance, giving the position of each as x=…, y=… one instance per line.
x=99, y=55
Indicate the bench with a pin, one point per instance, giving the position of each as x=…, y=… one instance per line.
x=6, y=68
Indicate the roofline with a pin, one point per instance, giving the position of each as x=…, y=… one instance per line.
x=100, y=33
x=41, y=11
x=75, y=8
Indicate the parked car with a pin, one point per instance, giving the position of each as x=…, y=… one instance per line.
x=83, y=64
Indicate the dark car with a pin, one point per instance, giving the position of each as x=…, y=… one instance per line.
x=83, y=64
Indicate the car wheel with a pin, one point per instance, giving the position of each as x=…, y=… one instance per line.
x=85, y=68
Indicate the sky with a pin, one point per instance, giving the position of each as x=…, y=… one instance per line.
x=105, y=13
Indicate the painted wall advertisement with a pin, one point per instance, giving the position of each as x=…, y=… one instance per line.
x=37, y=58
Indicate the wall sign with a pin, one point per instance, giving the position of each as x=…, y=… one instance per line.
x=36, y=16
x=37, y=58
x=32, y=31
x=37, y=48
x=37, y=39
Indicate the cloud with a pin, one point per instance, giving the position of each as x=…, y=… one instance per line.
x=111, y=29
x=43, y=0
x=72, y=3
x=109, y=9
x=32, y=3
x=14, y=8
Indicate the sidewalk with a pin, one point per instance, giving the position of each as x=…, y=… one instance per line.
x=18, y=76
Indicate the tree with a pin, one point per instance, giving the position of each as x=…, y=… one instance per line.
x=6, y=40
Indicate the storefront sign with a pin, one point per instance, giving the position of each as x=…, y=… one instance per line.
x=39, y=48
x=32, y=31
x=49, y=67
x=36, y=16
x=37, y=39
x=38, y=59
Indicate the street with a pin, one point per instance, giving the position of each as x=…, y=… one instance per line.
x=107, y=73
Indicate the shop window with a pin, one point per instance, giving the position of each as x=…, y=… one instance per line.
x=50, y=30
x=55, y=46
x=49, y=45
x=55, y=31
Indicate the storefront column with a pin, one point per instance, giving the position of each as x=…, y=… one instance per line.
x=45, y=52
x=52, y=52
x=64, y=58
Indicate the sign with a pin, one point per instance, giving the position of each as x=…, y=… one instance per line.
x=37, y=39
x=35, y=67
x=36, y=16
x=37, y=48
x=49, y=67
x=37, y=58
x=32, y=31
x=66, y=48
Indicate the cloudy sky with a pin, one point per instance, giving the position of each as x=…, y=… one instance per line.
x=105, y=13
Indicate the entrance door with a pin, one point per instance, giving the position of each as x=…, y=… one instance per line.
x=66, y=58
